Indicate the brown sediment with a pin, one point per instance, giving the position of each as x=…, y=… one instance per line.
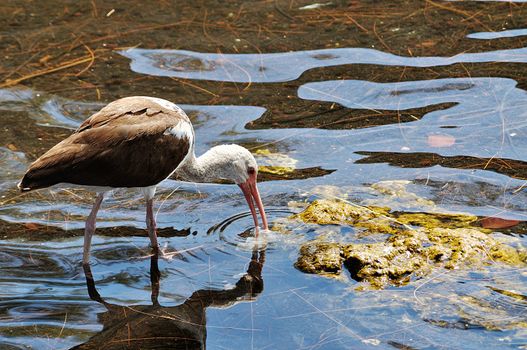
x=270, y=173
x=38, y=232
x=32, y=141
x=510, y=167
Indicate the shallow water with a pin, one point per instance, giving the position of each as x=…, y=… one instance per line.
x=266, y=68
x=219, y=285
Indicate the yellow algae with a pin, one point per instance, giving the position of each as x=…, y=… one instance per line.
x=263, y=152
x=320, y=258
x=396, y=192
x=380, y=264
x=275, y=163
x=464, y=246
x=275, y=159
x=379, y=225
x=438, y=240
x=276, y=170
x=418, y=251
x=431, y=220
x=417, y=242
x=333, y=212
x=337, y=212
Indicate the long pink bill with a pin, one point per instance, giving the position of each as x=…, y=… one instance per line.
x=250, y=191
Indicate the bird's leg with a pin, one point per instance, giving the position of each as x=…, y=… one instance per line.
x=151, y=224
x=90, y=283
x=90, y=228
x=154, y=279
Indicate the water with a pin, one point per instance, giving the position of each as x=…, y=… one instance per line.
x=266, y=68
x=458, y=141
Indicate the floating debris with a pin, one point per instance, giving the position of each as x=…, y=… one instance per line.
x=316, y=5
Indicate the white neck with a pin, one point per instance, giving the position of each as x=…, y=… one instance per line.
x=229, y=162
x=199, y=169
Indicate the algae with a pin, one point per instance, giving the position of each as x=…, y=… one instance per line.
x=434, y=240
x=337, y=212
x=333, y=212
x=320, y=258
x=380, y=263
x=395, y=194
x=431, y=220
x=275, y=159
x=276, y=170
x=278, y=166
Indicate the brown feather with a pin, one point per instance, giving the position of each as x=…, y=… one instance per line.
x=122, y=145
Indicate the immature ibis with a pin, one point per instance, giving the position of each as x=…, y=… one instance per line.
x=137, y=142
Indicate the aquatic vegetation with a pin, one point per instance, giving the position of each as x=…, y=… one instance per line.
x=395, y=193
x=432, y=220
x=276, y=170
x=333, y=212
x=275, y=163
x=337, y=212
x=434, y=240
x=321, y=258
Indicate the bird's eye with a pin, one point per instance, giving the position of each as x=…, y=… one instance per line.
x=251, y=170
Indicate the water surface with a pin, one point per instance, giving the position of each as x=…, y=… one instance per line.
x=465, y=152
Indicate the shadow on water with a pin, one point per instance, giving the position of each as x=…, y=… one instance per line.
x=176, y=327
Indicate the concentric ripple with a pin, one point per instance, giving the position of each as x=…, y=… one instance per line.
x=236, y=229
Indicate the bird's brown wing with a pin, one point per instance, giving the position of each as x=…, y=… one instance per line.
x=125, y=144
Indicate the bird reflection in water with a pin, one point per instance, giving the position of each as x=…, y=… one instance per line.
x=176, y=327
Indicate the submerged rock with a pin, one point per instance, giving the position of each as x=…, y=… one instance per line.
x=321, y=258
x=337, y=212
x=416, y=252
x=468, y=246
x=327, y=212
x=431, y=220
x=434, y=240
x=383, y=263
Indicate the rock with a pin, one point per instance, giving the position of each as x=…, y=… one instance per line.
x=337, y=212
x=436, y=240
x=321, y=258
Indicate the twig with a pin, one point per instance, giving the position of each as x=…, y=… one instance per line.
x=44, y=72
x=92, y=54
x=195, y=86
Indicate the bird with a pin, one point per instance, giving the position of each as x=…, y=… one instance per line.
x=137, y=142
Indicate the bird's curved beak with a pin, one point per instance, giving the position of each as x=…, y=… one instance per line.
x=250, y=191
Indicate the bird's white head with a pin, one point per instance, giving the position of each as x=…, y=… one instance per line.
x=234, y=163
x=231, y=162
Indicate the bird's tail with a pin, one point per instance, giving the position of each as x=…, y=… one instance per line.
x=34, y=180
x=23, y=185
